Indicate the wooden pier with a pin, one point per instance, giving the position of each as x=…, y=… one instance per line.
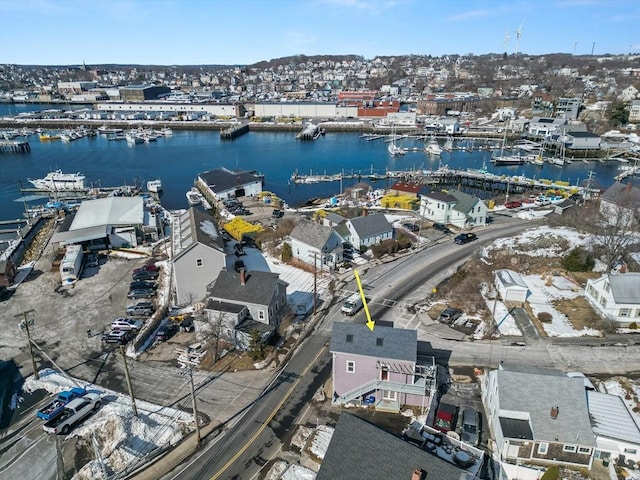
x=13, y=146
x=234, y=131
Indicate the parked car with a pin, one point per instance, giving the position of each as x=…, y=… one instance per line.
x=142, y=284
x=277, y=213
x=465, y=238
x=121, y=337
x=470, y=430
x=186, y=325
x=73, y=412
x=126, y=324
x=450, y=315
x=442, y=228
x=149, y=267
x=141, y=309
x=144, y=275
x=412, y=227
x=514, y=204
x=141, y=293
x=166, y=331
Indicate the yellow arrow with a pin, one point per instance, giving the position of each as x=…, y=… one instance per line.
x=370, y=323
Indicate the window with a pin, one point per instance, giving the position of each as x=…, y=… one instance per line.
x=631, y=451
x=349, y=338
x=624, y=312
x=351, y=366
x=542, y=448
x=388, y=395
x=569, y=448
x=379, y=342
x=603, y=302
x=261, y=314
x=199, y=262
x=586, y=450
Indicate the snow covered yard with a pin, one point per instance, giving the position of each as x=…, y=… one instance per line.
x=121, y=437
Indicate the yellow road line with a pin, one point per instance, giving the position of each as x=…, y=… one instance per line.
x=266, y=422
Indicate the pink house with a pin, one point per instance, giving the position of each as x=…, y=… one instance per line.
x=380, y=368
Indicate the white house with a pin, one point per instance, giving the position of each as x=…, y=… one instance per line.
x=453, y=207
x=628, y=94
x=616, y=297
x=511, y=287
x=620, y=204
x=617, y=433
x=634, y=111
x=538, y=416
x=545, y=126
x=316, y=244
x=368, y=230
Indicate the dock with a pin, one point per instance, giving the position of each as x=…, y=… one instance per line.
x=309, y=132
x=447, y=178
x=14, y=146
x=234, y=132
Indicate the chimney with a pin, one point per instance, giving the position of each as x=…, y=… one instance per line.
x=416, y=475
x=242, y=277
x=554, y=412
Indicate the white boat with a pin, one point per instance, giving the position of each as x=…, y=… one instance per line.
x=194, y=197
x=154, y=186
x=133, y=139
x=393, y=149
x=57, y=180
x=448, y=145
x=109, y=130
x=432, y=147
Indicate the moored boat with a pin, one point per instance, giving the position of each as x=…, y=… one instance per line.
x=57, y=180
x=154, y=185
x=194, y=197
x=432, y=147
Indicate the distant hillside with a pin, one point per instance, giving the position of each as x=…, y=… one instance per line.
x=303, y=58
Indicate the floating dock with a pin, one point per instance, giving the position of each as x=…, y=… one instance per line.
x=13, y=146
x=309, y=132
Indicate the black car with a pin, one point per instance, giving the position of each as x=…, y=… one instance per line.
x=144, y=275
x=278, y=213
x=186, y=325
x=412, y=227
x=442, y=228
x=142, y=285
x=166, y=331
x=465, y=238
x=141, y=293
x=450, y=315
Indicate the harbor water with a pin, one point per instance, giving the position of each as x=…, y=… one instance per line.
x=176, y=160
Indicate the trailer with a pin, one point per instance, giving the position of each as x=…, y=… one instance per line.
x=71, y=264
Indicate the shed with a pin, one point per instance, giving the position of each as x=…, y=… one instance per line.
x=511, y=287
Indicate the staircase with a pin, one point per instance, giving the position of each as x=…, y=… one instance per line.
x=415, y=389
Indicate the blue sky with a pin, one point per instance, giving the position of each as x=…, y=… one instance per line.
x=180, y=32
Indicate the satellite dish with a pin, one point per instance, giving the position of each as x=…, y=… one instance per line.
x=453, y=435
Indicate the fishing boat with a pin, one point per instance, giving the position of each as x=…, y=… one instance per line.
x=154, y=186
x=194, y=197
x=57, y=180
x=134, y=139
x=432, y=147
x=109, y=130
x=47, y=137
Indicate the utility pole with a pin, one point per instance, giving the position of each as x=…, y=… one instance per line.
x=24, y=325
x=126, y=372
x=183, y=357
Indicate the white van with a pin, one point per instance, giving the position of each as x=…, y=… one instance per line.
x=352, y=304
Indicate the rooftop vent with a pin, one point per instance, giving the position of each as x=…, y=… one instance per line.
x=379, y=342
x=554, y=412
x=349, y=338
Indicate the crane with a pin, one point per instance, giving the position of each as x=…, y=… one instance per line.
x=518, y=34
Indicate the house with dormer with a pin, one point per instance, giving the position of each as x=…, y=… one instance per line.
x=368, y=230
x=620, y=205
x=199, y=255
x=616, y=297
x=263, y=294
x=538, y=416
x=316, y=244
x=453, y=207
x=379, y=368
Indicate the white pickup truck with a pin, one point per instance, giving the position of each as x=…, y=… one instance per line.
x=73, y=412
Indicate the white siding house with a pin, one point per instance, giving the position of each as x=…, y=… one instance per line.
x=368, y=230
x=616, y=297
x=454, y=208
x=316, y=244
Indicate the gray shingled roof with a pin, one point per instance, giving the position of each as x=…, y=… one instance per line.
x=335, y=218
x=370, y=225
x=311, y=233
x=259, y=287
x=464, y=202
x=221, y=179
x=538, y=393
x=222, y=306
x=625, y=195
x=442, y=196
x=206, y=231
x=625, y=287
x=611, y=418
x=360, y=450
x=397, y=343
